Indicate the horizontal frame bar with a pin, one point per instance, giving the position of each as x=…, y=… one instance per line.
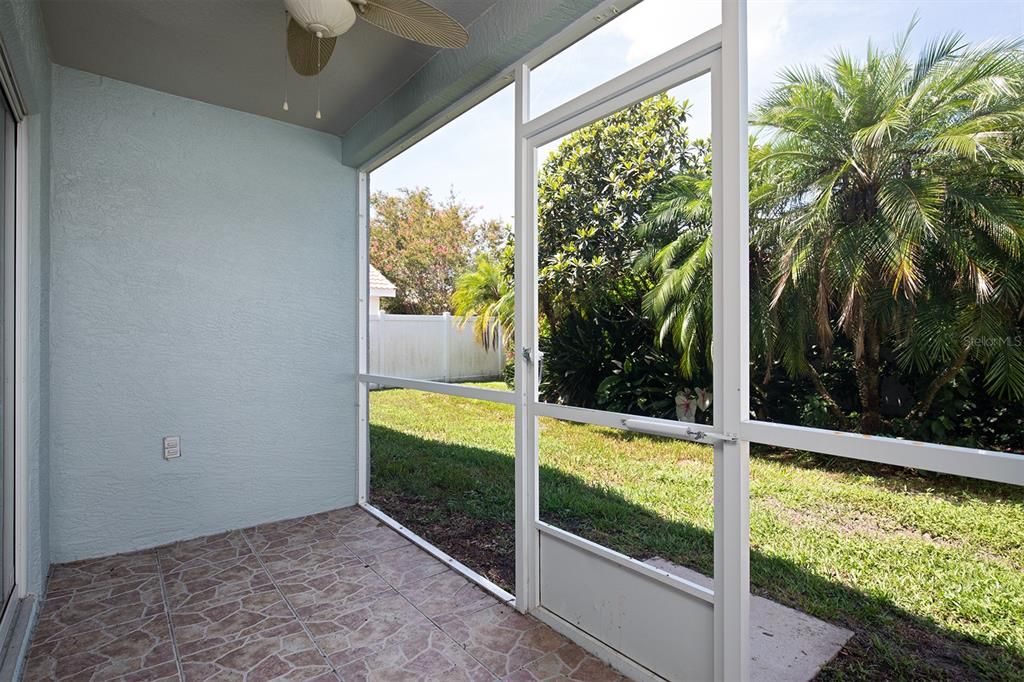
x=383, y=315
x=461, y=390
x=655, y=75
x=984, y=465
x=646, y=570
x=456, y=565
x=681, y=431
x=613, y=420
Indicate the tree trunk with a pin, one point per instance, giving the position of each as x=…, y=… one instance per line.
x=918, y=412
x=823, y=391
x=868, y=369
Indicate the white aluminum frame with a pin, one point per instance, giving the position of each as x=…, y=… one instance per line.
x=363, y=351
x=732, y=459
x=984, y=465
x=527, y=511
x=460, y=390
x=690, y=60
x=21, y=361
x=442, y=556
x=700, y=56
x=654, y=76
x=654, y=573
x=733, y=431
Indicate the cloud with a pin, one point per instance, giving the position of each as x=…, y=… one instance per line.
x=768, y=26
x=654, y=26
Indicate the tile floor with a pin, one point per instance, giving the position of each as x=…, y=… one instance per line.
x=327, y=597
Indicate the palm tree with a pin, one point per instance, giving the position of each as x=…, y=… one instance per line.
x=485, y=296
x=681, y=301
x=678, y=234
x=887, y=210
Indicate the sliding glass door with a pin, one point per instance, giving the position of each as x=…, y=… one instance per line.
x=7, y=138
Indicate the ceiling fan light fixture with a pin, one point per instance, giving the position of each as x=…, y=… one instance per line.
x=326, y=18
x=313, y=27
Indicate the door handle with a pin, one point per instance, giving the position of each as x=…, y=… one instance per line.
x=681, y=431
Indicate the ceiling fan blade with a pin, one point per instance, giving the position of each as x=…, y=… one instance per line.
x=302, y=50
x=415, y=20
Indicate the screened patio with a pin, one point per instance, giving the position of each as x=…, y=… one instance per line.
x=193, y=417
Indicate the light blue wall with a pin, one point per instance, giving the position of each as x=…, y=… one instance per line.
x=21, y=29
x=203, y=267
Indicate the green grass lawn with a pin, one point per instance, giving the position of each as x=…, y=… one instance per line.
x=928, y=571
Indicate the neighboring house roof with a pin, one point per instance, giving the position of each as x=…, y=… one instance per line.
x=380, y=285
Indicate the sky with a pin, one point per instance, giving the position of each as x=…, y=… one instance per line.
x=473, y=156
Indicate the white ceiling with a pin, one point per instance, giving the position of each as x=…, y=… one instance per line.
x=232, y=53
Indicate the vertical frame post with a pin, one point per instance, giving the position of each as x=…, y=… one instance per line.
x=363, y=315
x=527, y=506
x=732, y=459
x=21, y=346
x=11, y=493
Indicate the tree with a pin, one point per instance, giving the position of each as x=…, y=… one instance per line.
x=904, y=218
x=678, y=249
x=593, y=191
x=422, y=247
x=887, y=216
x=485, y=295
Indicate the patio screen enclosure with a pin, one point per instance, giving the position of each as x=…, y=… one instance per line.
x=646, y=621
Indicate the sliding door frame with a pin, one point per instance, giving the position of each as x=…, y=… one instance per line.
x=16, y=338
x=8, y=515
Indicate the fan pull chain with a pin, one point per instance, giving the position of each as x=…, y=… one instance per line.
x=286, y=19
x=319, y=68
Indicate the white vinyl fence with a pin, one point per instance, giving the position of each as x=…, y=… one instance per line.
x=430, y=347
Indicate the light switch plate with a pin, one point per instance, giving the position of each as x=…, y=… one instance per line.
x=172, y=447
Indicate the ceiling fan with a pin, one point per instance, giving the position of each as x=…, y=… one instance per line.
x=314, y=27
x=327, y=19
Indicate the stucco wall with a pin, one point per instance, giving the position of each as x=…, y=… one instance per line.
x=203, y=269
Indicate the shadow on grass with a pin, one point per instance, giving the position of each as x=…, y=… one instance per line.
x=461, y=499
